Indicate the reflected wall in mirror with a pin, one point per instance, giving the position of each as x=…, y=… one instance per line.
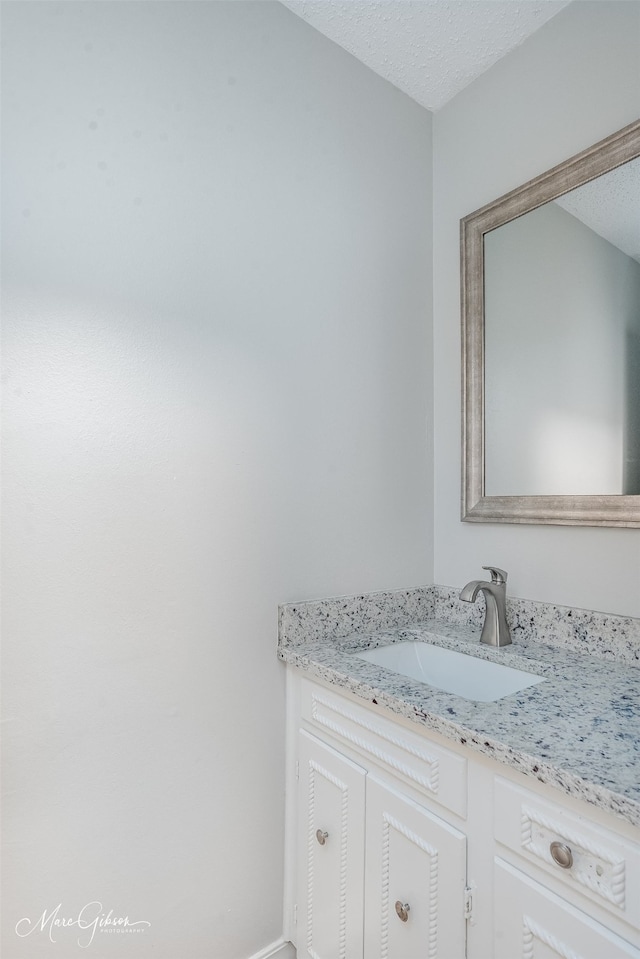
x=562, y=344
x=551, y=345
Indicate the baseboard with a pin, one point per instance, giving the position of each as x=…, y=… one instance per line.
x=277, y=950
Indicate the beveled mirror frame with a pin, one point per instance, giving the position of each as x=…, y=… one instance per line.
x=601, y=510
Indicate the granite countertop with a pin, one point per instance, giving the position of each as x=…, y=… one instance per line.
x=579, y=730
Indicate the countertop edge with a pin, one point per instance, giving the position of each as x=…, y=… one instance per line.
x=531, y=766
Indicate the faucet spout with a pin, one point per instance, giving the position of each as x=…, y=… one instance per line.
x=495, y=631
x=469, y=593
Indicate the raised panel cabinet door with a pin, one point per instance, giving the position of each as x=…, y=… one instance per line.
x=414, y=880
x=531, y=922
x=331, y=852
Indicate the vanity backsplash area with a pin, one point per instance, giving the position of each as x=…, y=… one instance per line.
x=604, y=635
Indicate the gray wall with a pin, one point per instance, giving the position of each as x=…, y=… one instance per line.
x=562, y=305
x=217, y=327
x=571, y=84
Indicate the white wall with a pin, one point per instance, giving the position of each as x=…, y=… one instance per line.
x=572, y=83
x=217, y=257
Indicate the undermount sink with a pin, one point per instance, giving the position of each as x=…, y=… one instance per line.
x=451, y=671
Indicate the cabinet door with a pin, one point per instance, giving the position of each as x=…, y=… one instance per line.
x=416, y=860
x=331, y=853
x=533, y=923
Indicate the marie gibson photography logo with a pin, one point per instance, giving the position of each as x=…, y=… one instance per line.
x=91, y=919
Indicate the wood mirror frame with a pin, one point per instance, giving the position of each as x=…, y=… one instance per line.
x=578, y=510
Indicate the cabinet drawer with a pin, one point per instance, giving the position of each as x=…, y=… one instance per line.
x=437, y=772
x=599, y=864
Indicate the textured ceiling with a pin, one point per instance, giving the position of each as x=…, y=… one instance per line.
x=610, y=206
x=430, y=49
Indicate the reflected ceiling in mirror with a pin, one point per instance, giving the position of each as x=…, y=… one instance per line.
x=551, y=345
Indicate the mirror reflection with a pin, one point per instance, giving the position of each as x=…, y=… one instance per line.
x=562, y=344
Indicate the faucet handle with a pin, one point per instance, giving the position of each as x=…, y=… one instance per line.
x=498, y=576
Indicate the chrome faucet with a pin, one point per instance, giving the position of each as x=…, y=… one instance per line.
x=495, y=631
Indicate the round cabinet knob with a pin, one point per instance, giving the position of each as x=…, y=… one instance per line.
x=321, y=836
x=561, y=854
x=402, y=909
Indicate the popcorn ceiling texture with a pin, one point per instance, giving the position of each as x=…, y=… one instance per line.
x=429, y=49
x=610, y=205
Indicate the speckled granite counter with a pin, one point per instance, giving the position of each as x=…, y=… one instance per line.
x=579, y=730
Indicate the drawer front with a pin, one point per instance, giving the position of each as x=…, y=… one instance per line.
x=435, y=771
x=597, y=863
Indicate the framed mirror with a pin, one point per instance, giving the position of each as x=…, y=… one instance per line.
x=550, y=287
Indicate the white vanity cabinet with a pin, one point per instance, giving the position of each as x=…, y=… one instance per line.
x=376, y=871
x=400, y=846
x=379, y=874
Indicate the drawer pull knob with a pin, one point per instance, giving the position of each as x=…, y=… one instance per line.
x=402, y=910
x=561, y=855
x=321, y=836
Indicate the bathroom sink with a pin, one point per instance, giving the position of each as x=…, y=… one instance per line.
x=454, y=672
